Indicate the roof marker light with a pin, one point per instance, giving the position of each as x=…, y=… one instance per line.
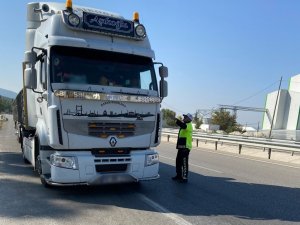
x=136, y=17
x=69, y=5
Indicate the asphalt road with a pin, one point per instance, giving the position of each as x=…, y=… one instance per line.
x=223, y=189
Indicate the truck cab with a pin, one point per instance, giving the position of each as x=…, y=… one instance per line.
x=91, y=99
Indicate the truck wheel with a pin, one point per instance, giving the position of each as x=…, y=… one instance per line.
x=38, y=165
x=25, y=160
x=44, y=183
x=19, y=137
x=38, y=168
x=23, y=155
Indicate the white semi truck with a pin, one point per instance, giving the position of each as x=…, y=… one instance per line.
x=89, y=111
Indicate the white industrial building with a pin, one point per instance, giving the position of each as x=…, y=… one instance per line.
x=208, y=126
x=286, y=121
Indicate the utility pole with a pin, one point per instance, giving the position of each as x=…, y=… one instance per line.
x=275, y=108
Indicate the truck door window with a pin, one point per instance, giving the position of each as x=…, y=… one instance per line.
x=146, y=82
x=43, y=73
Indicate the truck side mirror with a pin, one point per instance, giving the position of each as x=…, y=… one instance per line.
x=30, y=78
x=30, y=57
x=163, y=88
x=163, y=71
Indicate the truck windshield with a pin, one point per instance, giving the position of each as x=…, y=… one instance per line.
x=94, y=67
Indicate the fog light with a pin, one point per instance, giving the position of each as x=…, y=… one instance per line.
x=68, y=162
x=74, y=20
x=151, y=159
x=140, y=31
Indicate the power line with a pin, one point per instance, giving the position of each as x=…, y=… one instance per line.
x=291, y=81
x=242, y=100
x=178, y=110
x=249, y=124
x=255, y=94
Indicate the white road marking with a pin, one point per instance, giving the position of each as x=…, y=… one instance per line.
x=177, y=219
x=256, y=160
x=243, y=157
x=191, y=164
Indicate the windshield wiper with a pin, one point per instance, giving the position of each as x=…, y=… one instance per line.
x=73, y=89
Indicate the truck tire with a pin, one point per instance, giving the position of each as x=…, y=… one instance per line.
x=23, y=155
x=38, y=165
x=40, y=172
x=20, y=139
x=44, y=183
x=20, y=136
x=24, y=159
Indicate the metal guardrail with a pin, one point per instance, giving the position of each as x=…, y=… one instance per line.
x=283, y=145
x=175, y=130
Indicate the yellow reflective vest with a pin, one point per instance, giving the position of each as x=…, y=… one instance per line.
x=185, y=137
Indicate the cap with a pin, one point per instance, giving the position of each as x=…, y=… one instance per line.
x=188, y=116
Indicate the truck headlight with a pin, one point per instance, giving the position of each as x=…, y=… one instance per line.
x=68, y=162
x=74, y=20
x=140, y=31
x=152, y=159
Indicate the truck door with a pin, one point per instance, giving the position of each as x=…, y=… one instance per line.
x=42, y=105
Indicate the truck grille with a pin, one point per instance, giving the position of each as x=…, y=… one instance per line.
x=112, y=164
x=103, y=130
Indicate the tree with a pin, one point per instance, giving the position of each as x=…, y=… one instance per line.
x=197, y=120
x=1, y=104
x=168, y=116
x=5, y=104
x=226, y=121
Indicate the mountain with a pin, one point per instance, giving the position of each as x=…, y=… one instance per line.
x=7, y=93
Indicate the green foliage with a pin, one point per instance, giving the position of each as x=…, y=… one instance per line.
x=226, y=121
x=169, y=116
x=5, y=105
x=197, y=120
x=198, y=123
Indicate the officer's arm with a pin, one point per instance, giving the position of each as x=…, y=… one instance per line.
x=181, y=124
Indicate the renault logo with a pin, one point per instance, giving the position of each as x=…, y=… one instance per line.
x=113, y=142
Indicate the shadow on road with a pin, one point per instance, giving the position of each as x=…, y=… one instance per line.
x=22, y=195
x=214, y=196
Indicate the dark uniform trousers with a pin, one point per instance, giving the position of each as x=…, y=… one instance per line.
x=182, y=163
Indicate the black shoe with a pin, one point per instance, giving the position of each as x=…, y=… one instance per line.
x=176, y=178
x=183, y=180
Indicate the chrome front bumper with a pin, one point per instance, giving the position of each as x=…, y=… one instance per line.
x=103, y=179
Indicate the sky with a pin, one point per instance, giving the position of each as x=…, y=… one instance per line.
x=217, y=51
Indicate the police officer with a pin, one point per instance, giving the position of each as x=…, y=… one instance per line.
x=184, y=146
